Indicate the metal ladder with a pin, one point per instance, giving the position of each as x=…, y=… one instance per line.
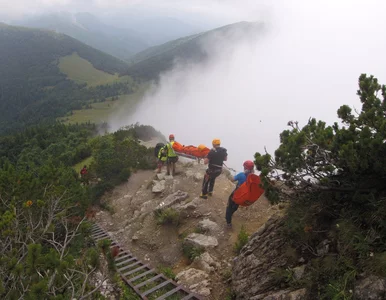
x=141, y=277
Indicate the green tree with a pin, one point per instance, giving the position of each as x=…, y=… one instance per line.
x=334, y=177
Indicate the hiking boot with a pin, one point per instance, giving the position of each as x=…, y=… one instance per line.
x=203, y=196
x=210, y=194
x=229, y=226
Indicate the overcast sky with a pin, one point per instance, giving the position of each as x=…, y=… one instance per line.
x=215, y=11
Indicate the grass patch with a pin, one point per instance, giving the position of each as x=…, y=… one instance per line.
x=167, y=271
x=200, y=230
x=227, y=275
x=183, y=234
x=87, y=161
x=125, y=292
x=231, y=295
x=82, y=71
x=100, y=112
x=167, y=216
x=242, y=240
x=107, y=207
x=191, y=252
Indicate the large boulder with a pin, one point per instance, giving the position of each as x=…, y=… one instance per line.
x=158, y=186
x=196, y=280
x=201, y=241
x=205, y=262
x=253, y=268
x=209, y=226
x=172, y=199
x=370, y=288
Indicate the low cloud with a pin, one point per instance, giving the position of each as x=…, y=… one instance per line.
x=304, y=64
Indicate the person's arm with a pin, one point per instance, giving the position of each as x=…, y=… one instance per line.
x=207, y=158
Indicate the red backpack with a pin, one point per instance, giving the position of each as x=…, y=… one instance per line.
x=249, y=191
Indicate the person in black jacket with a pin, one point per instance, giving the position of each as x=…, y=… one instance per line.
x=215, y=159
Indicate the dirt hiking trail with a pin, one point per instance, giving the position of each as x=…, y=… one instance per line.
x=132, y=222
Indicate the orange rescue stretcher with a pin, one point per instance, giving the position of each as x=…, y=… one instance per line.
x=191, y=151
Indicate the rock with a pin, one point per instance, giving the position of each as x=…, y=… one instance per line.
x=161, y=176
x=136, y=214
x=253, y=268
x=205, y=263
x=323, y=248
x=201, y=288
x=159, y=186
x=168, y=177
x=186, y=209
x=189, y=173
x=198, y=177
x=135, y=238
x=208, y=225
x=147, y=206
x=299, y=272
x=201, y=241
x=191, y=276
x=370, y=288
x=172, y=199
x=283, y=295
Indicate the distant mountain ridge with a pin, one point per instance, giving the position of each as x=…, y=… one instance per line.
x=85, y=27
x=151, y=62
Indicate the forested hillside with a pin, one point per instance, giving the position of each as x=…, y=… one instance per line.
x=32, y=88
x=46, y=250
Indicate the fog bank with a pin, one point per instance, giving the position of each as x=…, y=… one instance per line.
x=305, y=63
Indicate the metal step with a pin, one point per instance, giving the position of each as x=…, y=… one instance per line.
x=129, y=266
x=136, y=266
x=161, y=285
x=173, y=291
x=141, y=275
x=125, y=261
x=118, y=258
x=135, y=270
x=148, y=281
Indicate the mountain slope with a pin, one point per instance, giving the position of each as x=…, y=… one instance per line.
x=159, y=30
x=151, y=62
x=88, y=29
x=32, y=87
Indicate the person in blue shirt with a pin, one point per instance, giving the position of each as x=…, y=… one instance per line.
x=240, y=178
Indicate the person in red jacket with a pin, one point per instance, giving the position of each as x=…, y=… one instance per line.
x=240, y=178
x=84, y=175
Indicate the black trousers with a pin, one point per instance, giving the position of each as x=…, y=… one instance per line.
x=209, y=180
x=231, y=208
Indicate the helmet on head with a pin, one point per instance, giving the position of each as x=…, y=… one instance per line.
x=248, y=165
x=201, y=147
x=216, y=142
x=171, y=137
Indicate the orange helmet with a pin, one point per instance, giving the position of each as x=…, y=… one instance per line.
x=216, y=142
x=171, y=137
x=201, y=147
